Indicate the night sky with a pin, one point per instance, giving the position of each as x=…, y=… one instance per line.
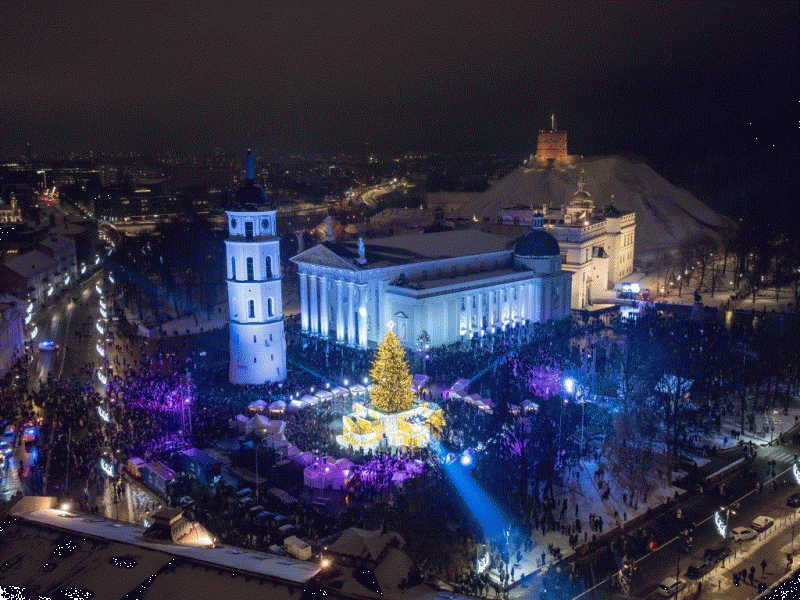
x=631, y=77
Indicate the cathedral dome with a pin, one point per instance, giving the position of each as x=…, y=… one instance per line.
x=537, y=243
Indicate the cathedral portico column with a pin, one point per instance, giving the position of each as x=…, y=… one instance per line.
x=479, y=320
x=351, y=315
x=492, y=307
x=468, y=314
x=324, y=329
x=314, y=313
x=339, y=311
x=304, y=301
x=362, y=316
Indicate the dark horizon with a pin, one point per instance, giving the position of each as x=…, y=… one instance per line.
x=648, y=79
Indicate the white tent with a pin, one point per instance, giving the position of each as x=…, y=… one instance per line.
x=259, y=424
x=358, y=389
x=324, y=395
x=457, y=390
x=474, y=399
x=310, y=400
x=295, y=405
x=340, y=392
x=257, y=405
x=277, y=406
x=529, y=405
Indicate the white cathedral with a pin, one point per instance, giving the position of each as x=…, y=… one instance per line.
x=451, y=285
x=255, y=304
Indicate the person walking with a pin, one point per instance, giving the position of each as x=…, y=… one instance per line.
x=763, y=565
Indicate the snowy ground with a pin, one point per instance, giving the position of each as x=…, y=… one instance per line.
x=584, y=492
x=765, y=299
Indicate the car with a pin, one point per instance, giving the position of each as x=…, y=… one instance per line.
x=48, y=345
x=742, y=534
x=670, y=586
x=719, y=553
x=699, y=568
x=762, y=523
x=186, y=502
x=793, y=500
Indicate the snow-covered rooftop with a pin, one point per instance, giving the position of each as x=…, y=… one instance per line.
x=108, y=530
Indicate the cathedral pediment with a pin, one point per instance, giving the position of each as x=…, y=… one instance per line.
x=322, y=256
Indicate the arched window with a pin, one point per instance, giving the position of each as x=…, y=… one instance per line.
x=252, y=309
x=270, y=310
x=233, y=267
x=250, y=275
x=269, y=267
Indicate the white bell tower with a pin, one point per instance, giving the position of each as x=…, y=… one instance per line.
x=255, y=305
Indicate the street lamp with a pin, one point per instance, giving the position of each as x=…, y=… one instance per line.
x=423, y=345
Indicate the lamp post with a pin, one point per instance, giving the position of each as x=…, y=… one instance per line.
x=423, y=345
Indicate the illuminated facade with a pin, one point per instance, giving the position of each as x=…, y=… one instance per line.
x=451, y=285
x=597, y=247
x=552, y=143
x=255, y=305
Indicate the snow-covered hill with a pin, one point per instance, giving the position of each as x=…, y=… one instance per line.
x=665, y=214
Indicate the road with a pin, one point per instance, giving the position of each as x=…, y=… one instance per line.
x=69, y=321
x=718, y=583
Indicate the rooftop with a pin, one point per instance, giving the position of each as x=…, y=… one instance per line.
x=56, y=242
x=30, y=263
x=411, y=248
x=105, y=532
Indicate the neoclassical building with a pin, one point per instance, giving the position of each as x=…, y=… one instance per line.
x=451, y=285
x=597, y=247
x=255, y=304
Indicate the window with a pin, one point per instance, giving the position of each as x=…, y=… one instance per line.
x=269, y=307
x=463, y=304
x=233, y=223
x=254, y=360
x=233, y=268
x=252, y=309
x=250, y=275
x=264, y=225
x=269, y=267
x=248, y=230
x=254, y=339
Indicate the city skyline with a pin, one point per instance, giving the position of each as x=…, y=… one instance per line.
x=649, y=78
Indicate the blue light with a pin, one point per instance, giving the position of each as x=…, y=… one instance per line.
x=482, y=507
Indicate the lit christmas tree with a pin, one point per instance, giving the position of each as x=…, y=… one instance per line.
x=391, y=391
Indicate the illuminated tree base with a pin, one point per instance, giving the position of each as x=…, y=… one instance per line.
x=365, y=427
